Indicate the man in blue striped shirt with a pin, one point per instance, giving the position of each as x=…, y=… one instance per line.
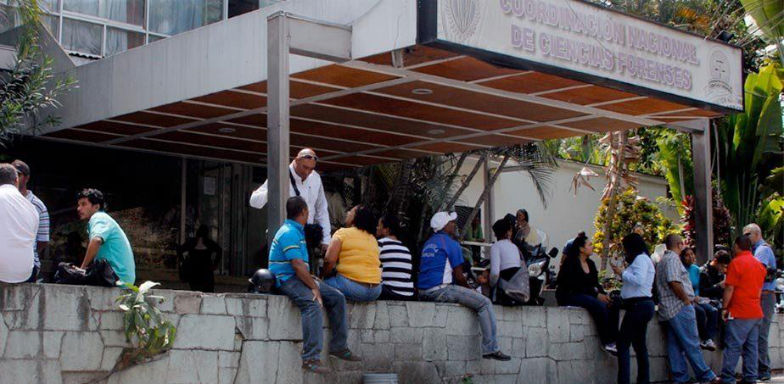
x=764, y=254
x=288, y=260
x=42, y=237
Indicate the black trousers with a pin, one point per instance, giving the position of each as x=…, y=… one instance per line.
x=633, y=332
x=388, y=294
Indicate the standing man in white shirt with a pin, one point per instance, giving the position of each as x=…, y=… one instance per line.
x=19, y=223
x=306, y=183
x=42, y=237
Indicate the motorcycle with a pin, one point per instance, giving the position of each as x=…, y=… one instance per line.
x=539, y=272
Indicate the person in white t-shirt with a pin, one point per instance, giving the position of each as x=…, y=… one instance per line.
x=19, y=220
x=505, y=260
x=306, y=183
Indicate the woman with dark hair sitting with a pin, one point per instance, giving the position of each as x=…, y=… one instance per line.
x=354, y=254
x=637, y=295
x=505, y=261
x=396, y=282
x=578, y=286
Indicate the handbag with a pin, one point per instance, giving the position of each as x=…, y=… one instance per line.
x=518, y=287
x=99, y=273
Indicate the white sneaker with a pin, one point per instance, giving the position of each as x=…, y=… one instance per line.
x=611, y=349
x=708, y=345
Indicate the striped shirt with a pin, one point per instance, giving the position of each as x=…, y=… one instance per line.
x=43, y=224
x=396, y=266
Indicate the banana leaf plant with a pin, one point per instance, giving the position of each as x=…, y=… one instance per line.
x=749, y=144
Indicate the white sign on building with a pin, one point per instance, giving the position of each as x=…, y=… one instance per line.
x=578, y=36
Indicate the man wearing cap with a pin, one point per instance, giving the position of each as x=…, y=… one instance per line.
x=306, y=183
x=441, y=279
x=42, y=236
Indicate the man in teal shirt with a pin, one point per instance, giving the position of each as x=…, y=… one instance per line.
x=107, y=241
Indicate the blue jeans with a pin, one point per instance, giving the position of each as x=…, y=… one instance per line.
x=352, y=290
x=474, y=300
x=312, y=320
x=707, y=320
x=768, y=302
x=606, y=319
x=740, y=336
x=633, y=332
x=683, y=343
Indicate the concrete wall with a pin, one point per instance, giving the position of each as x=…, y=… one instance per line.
x=69, y=334
x=565, y=214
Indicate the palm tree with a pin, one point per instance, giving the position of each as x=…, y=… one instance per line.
x=30, y=86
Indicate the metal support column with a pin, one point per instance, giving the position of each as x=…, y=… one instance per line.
x=489, y=205
x=286, y=34
x=183, y=199
x=703, y=198
x=277, y=120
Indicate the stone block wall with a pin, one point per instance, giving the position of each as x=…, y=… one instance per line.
x=69, y=334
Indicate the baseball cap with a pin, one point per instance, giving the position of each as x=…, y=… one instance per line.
x=441, y=219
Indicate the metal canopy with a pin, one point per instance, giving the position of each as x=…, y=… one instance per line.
x=204, y=94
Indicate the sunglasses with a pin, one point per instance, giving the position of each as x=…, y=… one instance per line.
x=309, y=157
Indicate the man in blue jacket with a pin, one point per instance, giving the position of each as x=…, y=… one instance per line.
x=441, y=279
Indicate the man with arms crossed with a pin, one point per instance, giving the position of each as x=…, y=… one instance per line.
x=676, y=309
x=306, y=183
x=764, y=254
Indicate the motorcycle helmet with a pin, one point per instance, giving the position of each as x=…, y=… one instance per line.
x=262, y=281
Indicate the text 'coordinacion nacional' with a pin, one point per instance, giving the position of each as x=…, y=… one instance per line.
x=603, y=31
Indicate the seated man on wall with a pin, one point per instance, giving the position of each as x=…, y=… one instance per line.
x=106, y=240
x=19, y=223
x=712, y=276
x=288, y=260
x=441, y=279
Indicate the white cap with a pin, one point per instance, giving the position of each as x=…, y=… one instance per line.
x=441, y=219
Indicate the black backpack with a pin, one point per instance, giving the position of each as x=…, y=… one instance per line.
x=99, y=273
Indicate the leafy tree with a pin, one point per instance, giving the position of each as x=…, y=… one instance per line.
x=769, y=17
x=631, y=210
x=30, y=87
x=675, y=157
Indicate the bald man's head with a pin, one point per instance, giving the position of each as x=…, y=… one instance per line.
x=753, y=232
x=305, y=162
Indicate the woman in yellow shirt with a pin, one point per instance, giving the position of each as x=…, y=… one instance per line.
x=354, y=252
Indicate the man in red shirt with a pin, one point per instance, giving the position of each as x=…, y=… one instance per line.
x=742, y=311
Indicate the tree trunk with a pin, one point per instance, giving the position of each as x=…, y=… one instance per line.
x=402, y=181
x=484, y=195
x=439, y=205
x=616, y=176
x=465, y=183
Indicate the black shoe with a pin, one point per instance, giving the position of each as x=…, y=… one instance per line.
x=498, y=355
x=315, y=367
x=345, y=355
